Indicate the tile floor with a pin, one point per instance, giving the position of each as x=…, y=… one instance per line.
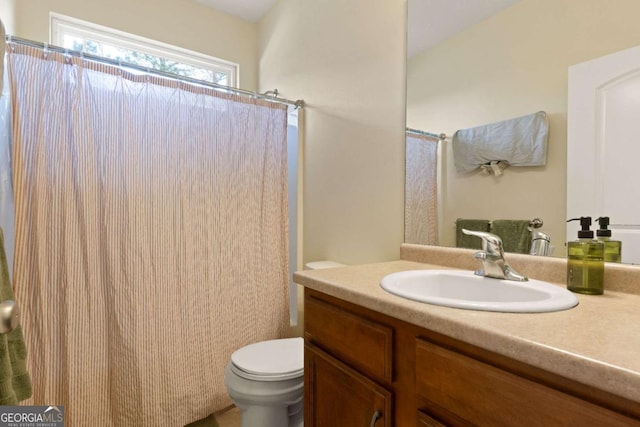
x=230, y=418
x=227, y=418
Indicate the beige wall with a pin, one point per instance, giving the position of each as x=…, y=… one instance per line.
x=182, y=23
x=7, y=15
x=510, y=65
x=346, y=60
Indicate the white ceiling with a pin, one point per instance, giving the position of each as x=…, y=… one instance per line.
x=249, y=10
x=430, y=21
x=433, y=21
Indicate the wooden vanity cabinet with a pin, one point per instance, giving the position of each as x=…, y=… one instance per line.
x=347, y=387
x=340, y=396
x=462, y=390
x=363, y=368
x=425, y=420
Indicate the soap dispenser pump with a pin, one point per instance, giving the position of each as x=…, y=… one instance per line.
x=585, y=261
x=612, y=248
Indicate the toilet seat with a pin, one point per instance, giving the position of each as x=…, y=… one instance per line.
x=274, y=360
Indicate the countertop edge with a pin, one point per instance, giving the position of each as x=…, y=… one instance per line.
x=618, y=380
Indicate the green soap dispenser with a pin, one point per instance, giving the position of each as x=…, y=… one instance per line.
x=612, y=248
x=585, y=261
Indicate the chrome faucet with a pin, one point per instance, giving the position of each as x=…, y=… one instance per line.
x=492, y=258
x=540, y=242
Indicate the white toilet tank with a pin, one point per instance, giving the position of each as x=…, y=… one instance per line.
x=319, y=265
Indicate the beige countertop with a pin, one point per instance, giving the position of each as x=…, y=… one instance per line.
x=596, y=343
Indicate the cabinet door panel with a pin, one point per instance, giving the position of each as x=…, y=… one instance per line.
x=425, y=420
x=337, y=396
x=364, y=344
x=485, y=395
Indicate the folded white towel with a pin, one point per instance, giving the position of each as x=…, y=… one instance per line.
x=521, y=141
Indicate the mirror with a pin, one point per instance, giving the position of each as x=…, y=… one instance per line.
x=510, y=60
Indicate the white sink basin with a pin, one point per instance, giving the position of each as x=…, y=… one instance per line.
x=463, y=289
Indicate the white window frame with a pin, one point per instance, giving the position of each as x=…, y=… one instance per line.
x=61, y=25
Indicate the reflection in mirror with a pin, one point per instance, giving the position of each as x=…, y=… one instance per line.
x=511, y=62
x=603, y=132
x=421, y=187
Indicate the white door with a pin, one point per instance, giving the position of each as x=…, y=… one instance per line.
x=603, y=146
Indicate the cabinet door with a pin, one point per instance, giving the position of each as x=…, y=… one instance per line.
x=485, y=395
x=425, y=420
x=361, y=343
x=337, y=396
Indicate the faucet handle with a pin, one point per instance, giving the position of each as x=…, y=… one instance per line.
x=492, y=257
x=490, y=242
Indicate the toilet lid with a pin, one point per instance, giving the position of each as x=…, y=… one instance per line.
x=282, y=357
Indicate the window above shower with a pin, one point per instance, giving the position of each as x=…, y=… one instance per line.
x=75, y=34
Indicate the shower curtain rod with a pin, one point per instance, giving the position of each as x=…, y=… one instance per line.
x=440, y=136
x=268, y=96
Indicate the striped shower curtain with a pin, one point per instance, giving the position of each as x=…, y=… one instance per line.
x=151, y=237
x=421, y=190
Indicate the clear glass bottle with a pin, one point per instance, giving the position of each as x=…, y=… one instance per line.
x=585, y=261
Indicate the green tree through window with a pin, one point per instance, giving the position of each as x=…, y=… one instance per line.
x=143, y=59
x=83, y=36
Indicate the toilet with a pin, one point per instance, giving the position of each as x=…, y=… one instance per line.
x=265, y=380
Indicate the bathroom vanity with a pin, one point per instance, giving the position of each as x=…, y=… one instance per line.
x=374, y=359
